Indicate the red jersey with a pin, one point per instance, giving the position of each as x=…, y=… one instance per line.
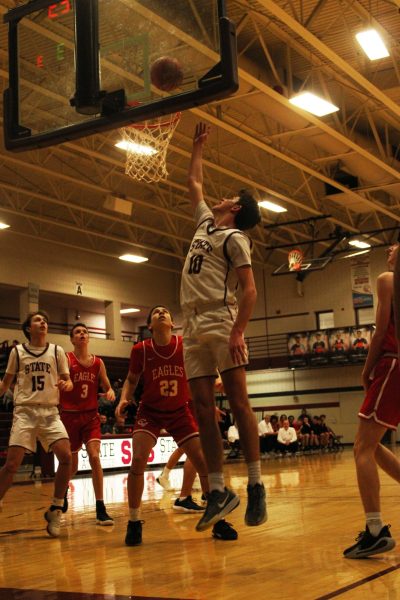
x=164, y=377
x=86, y=383
x=390, y=342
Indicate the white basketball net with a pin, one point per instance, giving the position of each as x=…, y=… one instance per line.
x=146, y=146
x=295, y=259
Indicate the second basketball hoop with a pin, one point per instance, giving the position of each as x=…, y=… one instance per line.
x=295, y=259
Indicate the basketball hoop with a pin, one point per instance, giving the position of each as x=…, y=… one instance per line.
x=146, y=146
x=295, y=259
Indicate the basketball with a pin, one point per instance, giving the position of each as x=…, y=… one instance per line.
x=166, y=73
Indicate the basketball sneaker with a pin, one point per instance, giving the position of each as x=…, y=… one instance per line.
x=187, y=505
x=134, y=533
x=219, y=504
x=367, y=544
x=102, y=518
x=256, y=511
x=223, y=530
x=53, y=518
x=164, y=482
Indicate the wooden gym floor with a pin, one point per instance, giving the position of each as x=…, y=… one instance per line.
x=314, y=513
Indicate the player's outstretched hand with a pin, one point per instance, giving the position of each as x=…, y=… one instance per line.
x=121, y=409
x=109, y=395
x=64, y=386
x=201, y=133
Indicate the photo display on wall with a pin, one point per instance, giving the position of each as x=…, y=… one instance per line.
x=333, y=346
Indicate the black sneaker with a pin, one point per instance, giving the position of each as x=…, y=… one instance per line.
x=224, y=531
x=134, y=533
x=65, y=505
x=102, y=518
x=187, y=505
x=219, y=504
x=256, y=511
x=367, y=544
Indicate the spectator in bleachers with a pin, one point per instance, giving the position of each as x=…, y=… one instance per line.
x=305, y=433
x=287, y=439
x=315, y=432
x=303, y=414
x=106, y=426
x=282, y=418
x=294, y=423
x=267, y=435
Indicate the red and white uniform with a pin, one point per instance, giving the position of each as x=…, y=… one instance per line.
x=79, y=407
x=164, y=402
x=382, y=399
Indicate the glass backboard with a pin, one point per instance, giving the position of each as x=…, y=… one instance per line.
x=58, y=47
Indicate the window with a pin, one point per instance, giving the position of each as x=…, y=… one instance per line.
x=325, y=319
x=365, y=315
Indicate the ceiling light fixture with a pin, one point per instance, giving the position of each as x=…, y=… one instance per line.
x=313, y=104
x=359, y=244
x=135, y=148
x=134, y=258
x=272, y=206
x=128, y=311
x=356, y=253
x=372, y=44
x=4, y=226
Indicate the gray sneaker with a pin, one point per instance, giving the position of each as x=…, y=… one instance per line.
x=256, y=511
x=219, y=504
x=53, y=518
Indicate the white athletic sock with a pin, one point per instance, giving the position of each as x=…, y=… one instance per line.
x=374, y=522
x=134, y=514
x=58, y=502
x=216, y=481
x=254, y=471
x=165, y=472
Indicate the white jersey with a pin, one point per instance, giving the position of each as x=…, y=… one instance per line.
x=209, y=276
x=37, y=371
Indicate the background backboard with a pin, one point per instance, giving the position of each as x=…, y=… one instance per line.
x=115, y=41
x=308, y=264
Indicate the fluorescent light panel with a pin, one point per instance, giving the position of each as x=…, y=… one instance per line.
x=128, y=311
x=272, y=206
x=313, y=104
x=356, y=253
x=359, y=244
x=135, y=148
x=372, y=44
x=134, y=258
x=4, y=226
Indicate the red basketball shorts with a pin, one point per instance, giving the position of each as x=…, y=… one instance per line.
x=382, y=401
x=179, y=423
x=82, y=427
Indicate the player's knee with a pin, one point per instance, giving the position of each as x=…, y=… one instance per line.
x=64, y=457
x=138, y=465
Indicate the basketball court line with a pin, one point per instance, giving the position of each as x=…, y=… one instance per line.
x=15, y=593
x=358, y=583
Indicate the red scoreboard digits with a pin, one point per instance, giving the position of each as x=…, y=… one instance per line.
x=57, y=10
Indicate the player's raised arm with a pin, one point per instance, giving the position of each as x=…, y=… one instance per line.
x=128, y=389
x=195, y=179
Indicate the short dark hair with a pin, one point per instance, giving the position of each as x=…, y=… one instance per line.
x=249, y=215
x=27, y=323
x=79, y=324
x=148, y=320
